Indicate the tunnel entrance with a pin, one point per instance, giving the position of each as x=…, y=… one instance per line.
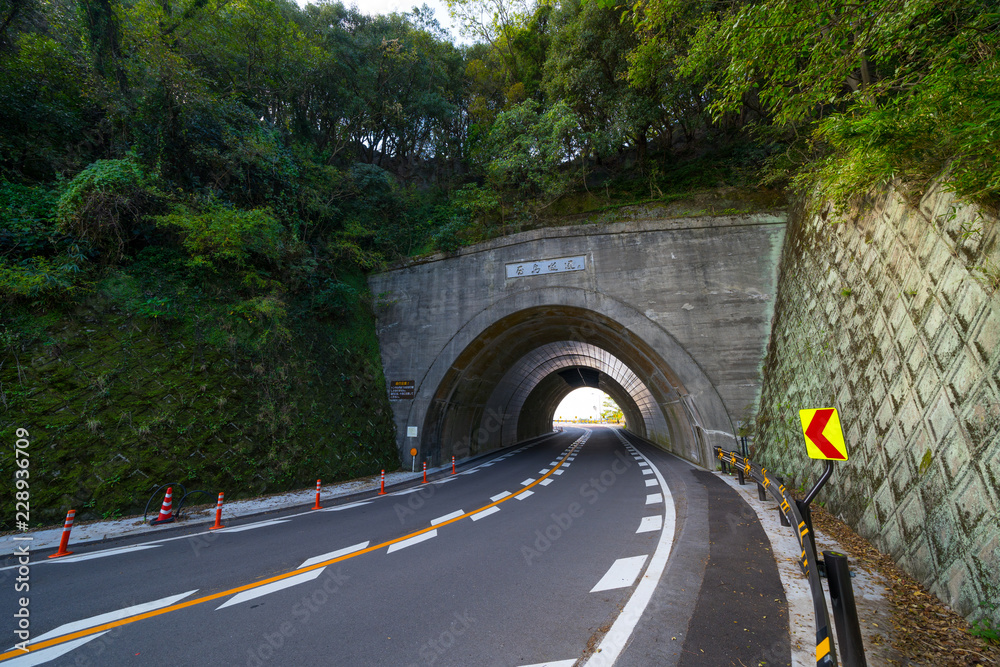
x=505, y=386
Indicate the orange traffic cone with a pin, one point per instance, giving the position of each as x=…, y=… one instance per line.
x=218, y=513
x=64, y=542
x=166, y=509
x=317, y=506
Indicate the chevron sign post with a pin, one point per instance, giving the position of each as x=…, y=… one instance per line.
x=824, y=437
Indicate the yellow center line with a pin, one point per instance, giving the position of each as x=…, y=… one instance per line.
x=215, y=596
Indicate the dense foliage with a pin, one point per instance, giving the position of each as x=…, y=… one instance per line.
x=230, y=169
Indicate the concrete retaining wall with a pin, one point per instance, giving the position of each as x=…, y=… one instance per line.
x=893, y=317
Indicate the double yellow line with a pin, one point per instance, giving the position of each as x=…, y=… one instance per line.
x=104, y=627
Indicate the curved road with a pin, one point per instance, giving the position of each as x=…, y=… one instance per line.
x=584, y=547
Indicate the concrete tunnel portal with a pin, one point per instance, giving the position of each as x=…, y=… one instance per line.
x=669, y=317
x=506, y=385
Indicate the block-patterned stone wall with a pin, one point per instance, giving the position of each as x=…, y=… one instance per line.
x=892, y=316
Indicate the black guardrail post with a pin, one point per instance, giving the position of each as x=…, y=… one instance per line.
x=761, y=493
x=739, y=476
x=845, y=613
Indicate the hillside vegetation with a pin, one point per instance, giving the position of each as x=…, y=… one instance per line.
x=191, y=192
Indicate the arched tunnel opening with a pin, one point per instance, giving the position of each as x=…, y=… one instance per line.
x=505, y=386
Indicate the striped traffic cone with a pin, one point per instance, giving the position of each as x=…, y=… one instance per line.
x=166, y=509
x=218, y=513
x=317, y=505
x=64, y=542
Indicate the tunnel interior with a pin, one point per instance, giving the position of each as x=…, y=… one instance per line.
x=505, y=386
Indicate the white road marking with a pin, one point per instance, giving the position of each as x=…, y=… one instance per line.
x=543, y=471
x=622, y=574
x=558, y=472
x=651, y=482
x=647, y=471
x=522, y=496
x=547, y=481
x=643, y=464
x=108, y=617
x=423, y=537
x=446, y=517
x=486, y=512
x=528, y=481
x=107, y=552
x=405, y=491
x=558, y=663
x=617, y=637
x=262, y=524
x=347, y=506
x=650, y=523
x=51, y=653
x=273, y=587
x=566, y=465
x=654, y=498
x=442, y=481
x=333, y=554
x=554, y=463
x=499, y=496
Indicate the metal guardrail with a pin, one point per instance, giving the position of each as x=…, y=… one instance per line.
x=825, y=653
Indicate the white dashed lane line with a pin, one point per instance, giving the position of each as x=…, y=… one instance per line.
x=108, y=552
x=447, y=517
x=416, y=539
x=525, y=494
x=273, y=587
x=546, y=482
x=108, y=617
x=262, y=524
x=347, y=506
x=654, y=498
x=647, y=471
x=485, y=513
x=499, y=496
x=650, y=524
x=622, y=574
x=333, y=554
x=651, y=482
x=528, y=481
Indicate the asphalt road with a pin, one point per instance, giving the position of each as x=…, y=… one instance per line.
x=568, y=550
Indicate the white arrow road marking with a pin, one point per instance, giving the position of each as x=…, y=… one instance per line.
x=273, y=587
x=417, y=539
x=446, y=517
x=650, y=524
x=346, y=507
x=621, y=574
x=51, y=653
x=262, y=524
x=107, y=552
x=485, y=513
x=333, y=554
x=110, y=616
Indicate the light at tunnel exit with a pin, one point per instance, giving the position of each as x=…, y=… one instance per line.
x=586, y=403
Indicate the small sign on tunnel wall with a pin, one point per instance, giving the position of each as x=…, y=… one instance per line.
x=400, y=390
x=537, y=267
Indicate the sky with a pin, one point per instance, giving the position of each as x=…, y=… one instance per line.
x=584, y=402
x=440, y=8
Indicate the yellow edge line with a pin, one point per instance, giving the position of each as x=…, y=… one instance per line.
x=55, y=641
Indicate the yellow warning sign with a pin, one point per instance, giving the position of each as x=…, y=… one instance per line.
x=824, y=437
